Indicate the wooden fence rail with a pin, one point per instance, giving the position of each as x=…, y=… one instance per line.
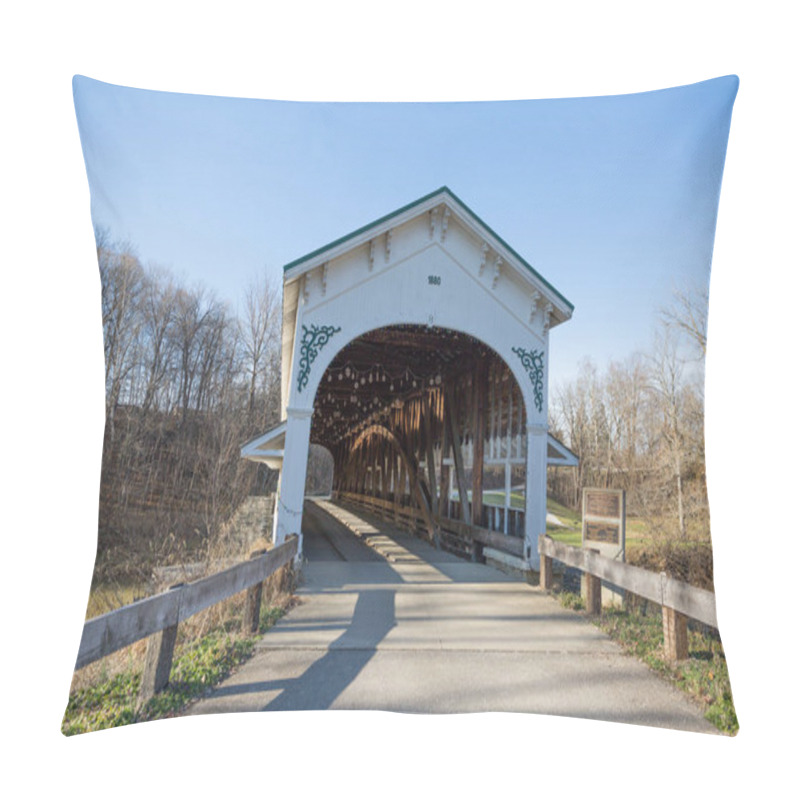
x=677, y=599
x=157, y=617
x=414, y=519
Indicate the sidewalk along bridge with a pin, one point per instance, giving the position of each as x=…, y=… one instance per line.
x=388, y=622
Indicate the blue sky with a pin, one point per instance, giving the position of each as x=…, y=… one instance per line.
x=613, y=200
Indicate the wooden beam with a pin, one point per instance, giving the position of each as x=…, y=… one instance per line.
x=400, y=489
x=455, y=443
x=695, y=603
x=157, y=663
x=428, y=426
x=252, y=602
x=676, y=638
x=594, y=589
x=546, y=573
x=479, y=380
x=508, y=544
x=109, y=632
x=444, y=477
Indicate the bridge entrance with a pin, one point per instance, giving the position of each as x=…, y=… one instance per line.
x=415, y=349
x=426, y=425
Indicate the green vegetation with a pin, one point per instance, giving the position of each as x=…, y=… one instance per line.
x=570, y=532
x=637, y=531
x=498, y=498
x=571, y=600
x=704, y=675
x=198, y=666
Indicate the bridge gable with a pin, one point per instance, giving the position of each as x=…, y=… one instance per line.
x=433, y=262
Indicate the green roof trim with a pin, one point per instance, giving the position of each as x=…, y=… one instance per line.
x=420, y=201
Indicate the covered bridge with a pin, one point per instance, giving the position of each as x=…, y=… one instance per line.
x=415, y=349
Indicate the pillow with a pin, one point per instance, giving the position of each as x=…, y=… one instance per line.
x=346, y=465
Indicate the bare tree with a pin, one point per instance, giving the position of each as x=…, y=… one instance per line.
x=689, y=315
x=260, y=336
x=158, y=320
x=639, y=426
x=626, y=402
x=580, y=411
x=171, y=481
x=121, y=280
x=679, y=404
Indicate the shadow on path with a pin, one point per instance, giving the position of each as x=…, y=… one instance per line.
x=319, y=686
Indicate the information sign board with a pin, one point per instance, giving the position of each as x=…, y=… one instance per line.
x=604, y=521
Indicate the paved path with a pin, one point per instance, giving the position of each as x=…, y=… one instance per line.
x=399, y=626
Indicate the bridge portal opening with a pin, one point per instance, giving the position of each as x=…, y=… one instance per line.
x=426, y=424
x=319, y=472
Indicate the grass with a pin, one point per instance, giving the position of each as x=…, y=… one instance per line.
x=637, y=531
x=570, y=533
x=498, y=498
x=703, y=676
x=198, y=666
x=108, y=597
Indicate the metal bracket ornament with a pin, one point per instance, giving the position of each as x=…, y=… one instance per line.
x=314, y=339
x=533, y=362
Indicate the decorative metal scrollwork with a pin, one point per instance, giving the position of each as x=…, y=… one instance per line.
x=314, y=339
x=533, y=362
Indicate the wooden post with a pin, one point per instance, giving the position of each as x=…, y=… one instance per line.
x=478, y=434
x=593, y=594
x=427, y=421
x=252, y=602
x=393, y=478
x=546, y=573
x=425, y=508
x=401, y=488
x=676, y=638
x=594, y=589
x=362, y=466
x=455, y=443
x=158, y=660
x=444, y=476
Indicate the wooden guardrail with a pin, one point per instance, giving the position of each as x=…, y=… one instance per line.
x=413, y=518
x=157, y=617
x=678, y=600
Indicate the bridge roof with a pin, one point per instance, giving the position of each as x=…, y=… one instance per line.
x=442, y=195
x=558, y=454
x=268, y=449
x=312, y=268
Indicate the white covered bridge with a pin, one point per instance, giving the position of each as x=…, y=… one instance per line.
x=415, y=350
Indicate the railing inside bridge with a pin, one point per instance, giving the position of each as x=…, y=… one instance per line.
x=454, y=535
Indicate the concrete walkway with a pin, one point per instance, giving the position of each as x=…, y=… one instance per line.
x=399, y=626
